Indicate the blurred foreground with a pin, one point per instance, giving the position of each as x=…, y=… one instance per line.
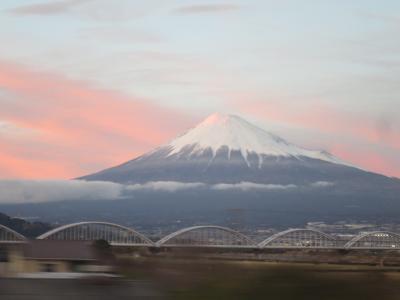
x=174, y=278
x=52, y=269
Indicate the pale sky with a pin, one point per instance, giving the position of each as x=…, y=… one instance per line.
x=85, y=84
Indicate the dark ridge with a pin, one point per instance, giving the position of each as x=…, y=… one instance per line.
x=28, y=229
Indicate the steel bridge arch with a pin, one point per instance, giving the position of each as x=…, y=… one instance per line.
x=375, y=240
x=7, y=235
x=325, y=240
x=115, y=234
x=234, y=238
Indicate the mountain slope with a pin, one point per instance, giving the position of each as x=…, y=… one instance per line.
x=228, y=149
x=226, y=167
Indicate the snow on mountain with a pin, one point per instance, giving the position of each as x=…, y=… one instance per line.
x=236, y=134
x=228, y=149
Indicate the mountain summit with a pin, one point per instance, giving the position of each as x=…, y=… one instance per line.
x=232, y=133
x=228, y=149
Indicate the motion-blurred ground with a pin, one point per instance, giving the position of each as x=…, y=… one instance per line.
x=208, y=279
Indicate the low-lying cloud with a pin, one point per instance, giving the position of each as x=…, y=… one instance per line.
x=322, y=184
x=245, y=186
x=36, y=191
x=39, y=191
x=169, y=186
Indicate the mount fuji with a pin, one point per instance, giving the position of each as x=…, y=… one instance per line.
x=226, y=171
x=226, y=149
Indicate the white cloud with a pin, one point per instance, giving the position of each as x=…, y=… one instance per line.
x=169, y=186
x=37, y=191
x=34, y=191
x=244, y=186
x=322, y=184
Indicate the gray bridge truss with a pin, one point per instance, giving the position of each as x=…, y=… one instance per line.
x=116, y=235
x=8, y=235
x=375, y=240
x=206, y=236
x=300, y=238
x=210, y=236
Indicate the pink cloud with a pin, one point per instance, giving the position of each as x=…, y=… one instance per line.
x=334, y=122
x=47, y=8
x=369, y=158
x=207, y=8
x=79, y=128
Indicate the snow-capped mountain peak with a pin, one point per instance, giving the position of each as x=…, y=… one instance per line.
x=236, y=134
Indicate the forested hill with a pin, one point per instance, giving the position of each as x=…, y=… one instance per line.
x=28, y=229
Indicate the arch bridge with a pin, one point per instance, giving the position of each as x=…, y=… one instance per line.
x=209, y=236
x=300, y=238
x=206, y=236
x=115, y=234
x=7, y=235
x=375, y=240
